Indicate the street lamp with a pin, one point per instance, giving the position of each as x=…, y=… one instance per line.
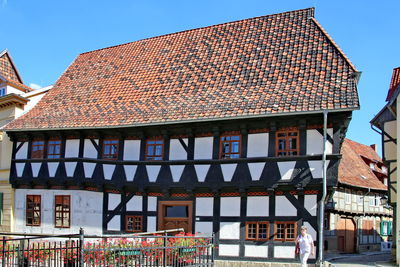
x=384, y=202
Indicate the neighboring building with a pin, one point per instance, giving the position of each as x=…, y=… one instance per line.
x=386, y=122
x=356, y=220
x=217, y=129
x=15, y=99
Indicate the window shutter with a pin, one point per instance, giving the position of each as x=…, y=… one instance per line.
x=389, y=230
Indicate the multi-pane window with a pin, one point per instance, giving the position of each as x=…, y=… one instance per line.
x=287, y=143
x=371, y=201
x=154, y=149
x=230, y=147
x=62, y=211
x=54, y=149
x=37, y=149
x=110, y=149
x=133, y=224
x=257, y=231
x=33, y=211
x=347, y=197
x=377, y=200
x=285, y=231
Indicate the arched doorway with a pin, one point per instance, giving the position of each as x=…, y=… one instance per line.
x=346, y=233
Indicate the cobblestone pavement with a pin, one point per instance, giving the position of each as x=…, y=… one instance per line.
x=362, y=260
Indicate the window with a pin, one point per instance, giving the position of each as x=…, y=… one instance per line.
x=54, y=149
x=384, y=227
x=37, y=149
x=287, y=143
x=285, y=231
x=133, y=223
x=257, y=231
x=2, y=91
x=384, y=170
x=230, y=147
x=372, y=201
x=377, y=200
x=347, y=197
x=360, y=198
x=62, y=211
x=33, y=211
x=372, y=166
x=154, y=150
x=110, y=149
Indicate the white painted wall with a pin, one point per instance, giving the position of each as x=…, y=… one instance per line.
x=201, y=171
x=52, y=166
x=230, y=206
x=228, y=250
x=176, y=172
x=151, y=224
x=72, y=148
x=152, y=172
x=113, y=201
x=286, y=169
x=227, y=171
x=114, y=224
x=22, y=152
x=88, y=169
x=176, y=150
x=256, y=170
x=89, y=150
x=131, y=150
x=86, y=211
x=258, y=206
x=257, y=145
x=130, y=171
x=20, y=168
x=310, y=203
x=204, y=206
x=315, y=140
x=229, y=230
x=152, y=203
x=135, y=204
x=256, y=251
x=205, y=228
x=283, y=207
x=285, y=252
x=203, y=147
x=36, y=168
x=108, y=170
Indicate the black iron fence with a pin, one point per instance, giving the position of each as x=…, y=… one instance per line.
x=112, y=251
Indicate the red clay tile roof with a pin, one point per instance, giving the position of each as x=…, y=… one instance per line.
x=354, y=171
x=261, y=66
x=395, y=82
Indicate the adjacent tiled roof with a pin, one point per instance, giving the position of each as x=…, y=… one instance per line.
x=7, y=67
x=268, y=65
x=395, y=82
x=354, y=171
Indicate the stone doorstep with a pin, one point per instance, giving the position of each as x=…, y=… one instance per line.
x=225, y=263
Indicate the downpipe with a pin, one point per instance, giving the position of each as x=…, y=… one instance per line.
x=320, y=260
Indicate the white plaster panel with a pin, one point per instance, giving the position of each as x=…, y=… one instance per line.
x=115, y=223
x=88, y=169
x=108, y=170
x=152, y=172
x=89, y=150
x=286, y=169
x=113, y=201
x=52, y=168
x=152, y=203
x=131, y=149
x=203, y=147
x=130, y=171
x=315, y=168
x=311, y=230
x=135, y=204
x=176, y=150
x=256, y=170
x=72, y=148
x=86, y=211
x=257, y=145
x=228, y=250
x=205, y=228
x=229, y=230
x=36, y=168
x=204, y=206
x=283, y=207
x=20, y=168
x=286, y=252
x=314, y=142
x=151, y=224
x=310, y=203
x=201, y=171
x=22, y=152
x=256, y=251
x=230, y=206
x=258, y=206
x=70, y=168
x=176, y=171
x=227, y=171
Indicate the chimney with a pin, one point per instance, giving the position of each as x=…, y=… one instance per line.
x=375, y=147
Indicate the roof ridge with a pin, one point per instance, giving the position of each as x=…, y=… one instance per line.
x=334, y=44
x=310, y=9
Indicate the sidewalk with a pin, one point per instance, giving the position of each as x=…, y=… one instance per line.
x=331, y=259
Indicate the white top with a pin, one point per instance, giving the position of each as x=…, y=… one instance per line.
x=305, y=243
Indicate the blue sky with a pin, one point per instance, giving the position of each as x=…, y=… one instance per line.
x=44, y=37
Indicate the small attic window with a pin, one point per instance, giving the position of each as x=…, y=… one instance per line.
x=2, y=91
x=362, y=176
x=372, y=166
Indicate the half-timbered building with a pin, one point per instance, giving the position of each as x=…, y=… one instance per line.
x=214, y=130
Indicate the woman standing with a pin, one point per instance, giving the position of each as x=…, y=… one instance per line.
x=306, y=245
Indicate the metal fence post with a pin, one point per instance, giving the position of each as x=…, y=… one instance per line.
x=81, y=243
x=165, y=250
x=3, y=262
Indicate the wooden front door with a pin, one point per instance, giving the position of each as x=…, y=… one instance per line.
x=346, y=230
x=175, y=214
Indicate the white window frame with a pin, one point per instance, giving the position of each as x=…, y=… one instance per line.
x=377, y=200
x=372, y=201
x=347, y=196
